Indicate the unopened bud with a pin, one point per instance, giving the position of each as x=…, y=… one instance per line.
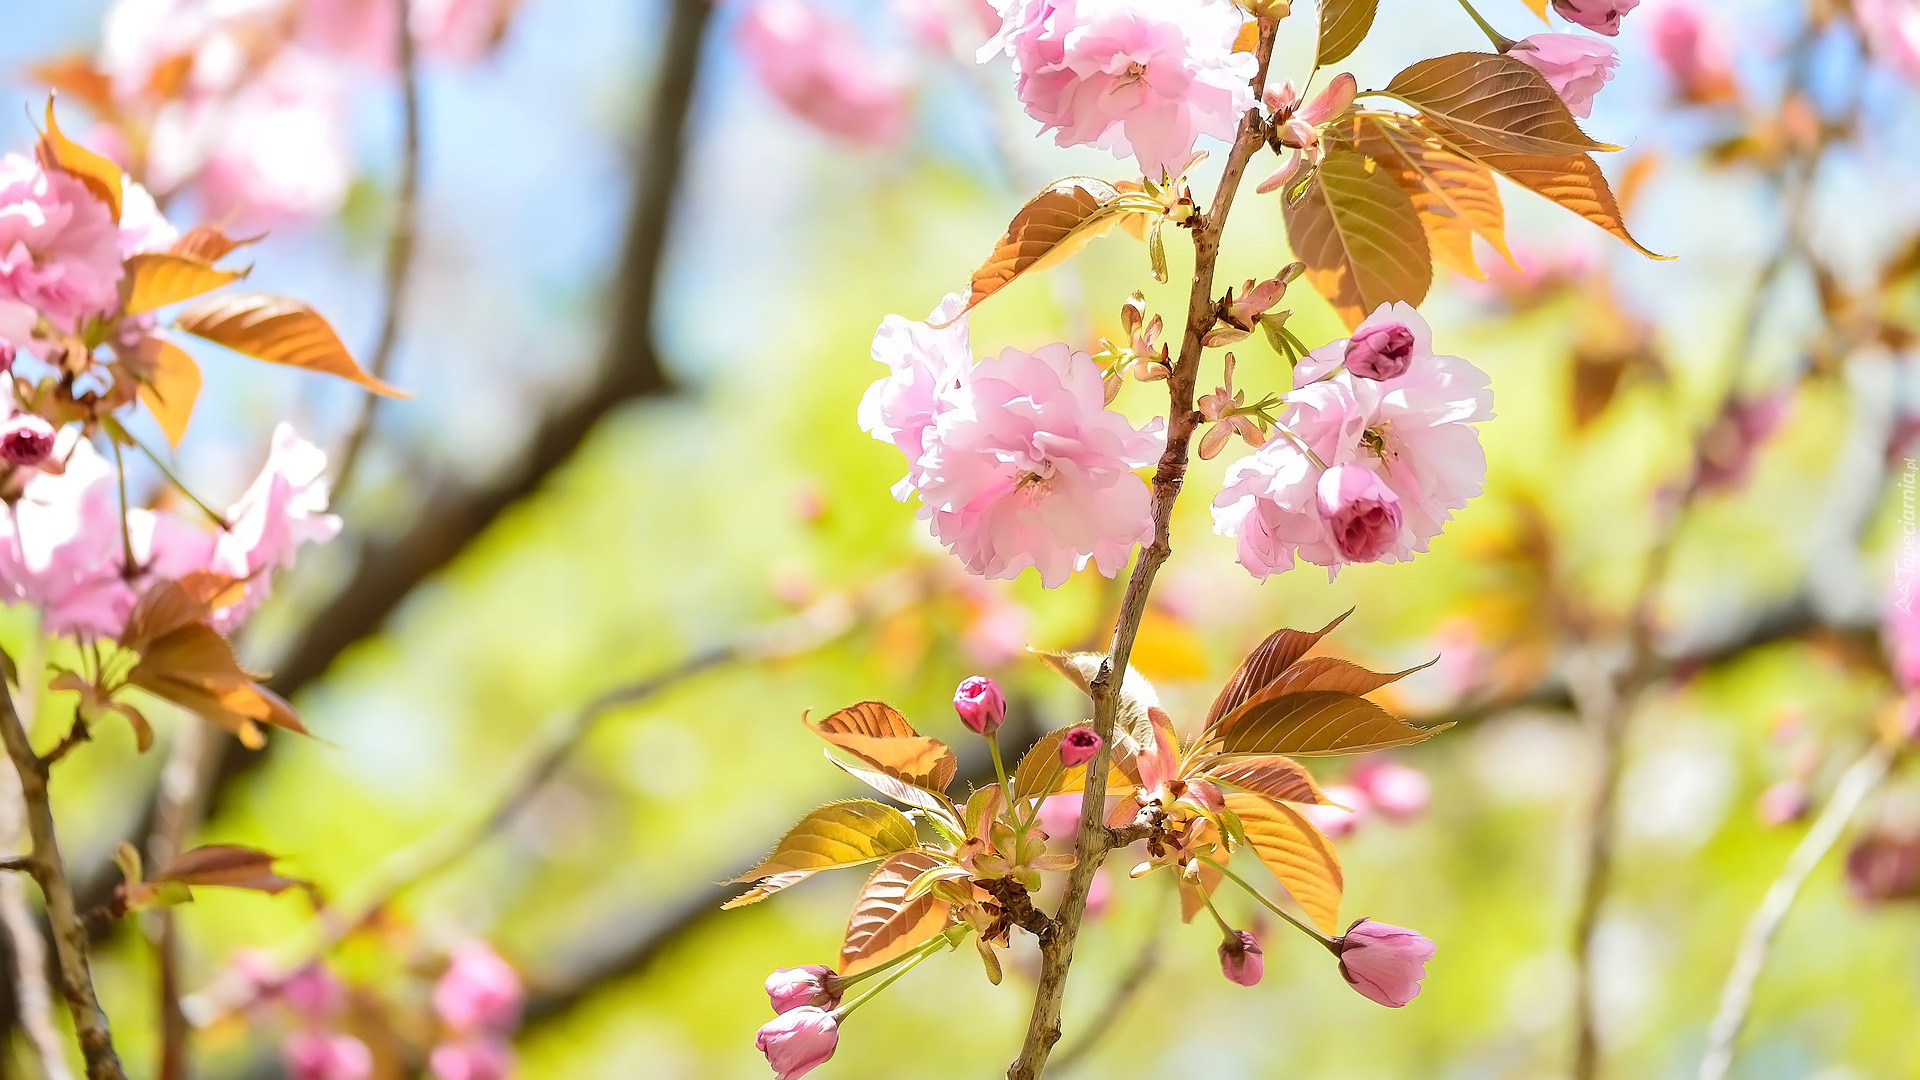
x=1241, y=959
x=1380, y=352
x=981, y=705
x=26, y=440
x=811, y=984
x=1078, y=746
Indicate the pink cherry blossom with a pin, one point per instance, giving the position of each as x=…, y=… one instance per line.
x=1059, y=815
x=981, y=704
x=313, y=994
x=798, y=1041
x=1362, y=514
x=366, y=31
x=471, y=1059
x=1140, y=78
x=1576, y=66
x=1242, y=960
x=1030, y=468
x=142, y=226
x=284, y=508
x=929, y=368
x=479, y=991
x=1783, y=803
x=59, y=247
x=312, y=1055
x=277, y=150
x=1384, y=963
x=1400, y=792
x=1339, y=820
x=818, y=67
x=1600, y=16
x=1891, y=29
x=810, y=984
x=1078, y=746
x=1693, y=54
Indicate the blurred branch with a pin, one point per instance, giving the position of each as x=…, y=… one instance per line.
x=818, y=626
x=32, y=1006
x=69, y=934
x=399, y=242
x=1143, y=967
x=1736, y=998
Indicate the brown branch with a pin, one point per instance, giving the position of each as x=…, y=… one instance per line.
x=1859, y=781
x=32, y=1003
x=69, y=935
x=399, y=242
x=1056, y=946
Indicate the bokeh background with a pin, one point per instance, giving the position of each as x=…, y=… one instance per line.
x=729, y=490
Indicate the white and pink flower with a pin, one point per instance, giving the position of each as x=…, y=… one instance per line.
x=59, y=246
x=1575, y=65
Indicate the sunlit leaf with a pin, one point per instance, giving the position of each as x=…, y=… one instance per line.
x=188, y=663
x=75, y=76
x=877, y=734
x=767, y=887
x=981, y=807
x=1316, y=723
x=101, y=176
x=1343, y=26
x=935, y=875
x=885, y=924
x=229, y=866
x=169, y=386
x=1296, y=852
x=836, y=835
x=1040, y=763
x=1539, y=7
x=897, y=789
x=156, y=279
x=208, y=245
x=1360, y=237
x=1321, y=673
x=1496, y=100
x=1266, y=663
x=1062, y=219
x=1271, y=775
x=1136, y=693
x=279, y=331
x=1456, y=198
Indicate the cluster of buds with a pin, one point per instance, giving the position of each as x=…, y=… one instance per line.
x=1227, y=410
x=1296, y=128
x=1144, y=356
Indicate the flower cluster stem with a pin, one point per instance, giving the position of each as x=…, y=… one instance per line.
x=1311, y=931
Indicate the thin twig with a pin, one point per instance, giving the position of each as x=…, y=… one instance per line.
x=69, y=934
x=33, y=1005
x=406, y=200
x=1736, y=997
x=1056, y=946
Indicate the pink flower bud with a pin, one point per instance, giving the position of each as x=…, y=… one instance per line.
x=479, y=1059
x=26, y=440
x=811, y=984
x=1576, y=66
x=1078, y=746
x=1384, y=963
x=311, y=1055
x=1783, y=804
x=479, y=991
x=798, y=1041
x=1380, y=352
x=1398, y=791
x=1600, y=16
x=981, y=705
x=313, y=994
x=1241, y=959
x=1362, y=513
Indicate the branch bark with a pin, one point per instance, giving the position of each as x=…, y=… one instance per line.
x=69, y=933
x=1091, y=844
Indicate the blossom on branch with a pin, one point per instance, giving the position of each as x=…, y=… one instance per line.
x=59, y=246
x=1576, y=66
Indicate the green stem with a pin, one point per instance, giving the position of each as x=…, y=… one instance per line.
x=927, y=950
x=1500, y=41
x=1304, y=928
x=1000, y=771
x=855, y=980
x=118, y=432
x=1211, y=910
x=127, y=569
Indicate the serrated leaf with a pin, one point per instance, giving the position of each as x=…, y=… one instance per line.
x=885, y=924
x=878, y=735
x=1060, y=220
x=169, y=384
x=935, y=875
x=1572, y=180
x=1039, y=763
x=1359, y=236
x=101, y=176
x=981, y=807
x=897, y=789
x=1496, y=100
x=1271, y=775
x=208, y=245
x=1455, y=198
x=1267, y=662
x=1296, y=852
x=836, y=835
x=1318, y=673
x=187, y=662
x=767, y=887
x=1136, y=693
x=1343, y=26
x=1317, y=723
x=156, y=279
x=280, y=331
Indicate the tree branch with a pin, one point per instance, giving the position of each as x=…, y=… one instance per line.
x=1056, y=946
x=69, y=934
x=1736, y=997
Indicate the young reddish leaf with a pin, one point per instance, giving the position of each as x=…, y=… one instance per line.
x=76, y=77
x=1272, y=775
x=208, y=245
x=1343, y=26
x=1496, y=100
x=279, y=331
x=169, y=384
x=230, y=866
x=101, y=176
x=1265, y=663
x=885, y=924
x=827, y=838
x=187, y=662
x=1296, y=852
x=1359, y=236
x=878, y=735
x=156, y=279
x=1572, y=180
x=1316, y=673
x=1455, y=198
x=1317, y=723
x=1062, y=219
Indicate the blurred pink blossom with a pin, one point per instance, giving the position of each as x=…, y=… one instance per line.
x=142, y=226
x=313, y=994
x=1140, y=78
x=59, y=247
x=1600, y=16
x=285, y=507
x=1384, y=963
x=818, y=67
x=26, y=440
x=479, y=991
x=471, y=1059
x=1693, y=54
x=1576, y=66
x=367, y=31
x=1900, y=635
x=1398, y=791
x=275, y=151
x=1891, y=30
x=1783, y=803
x=311, y=1055
x=1341, y=820
x=1060, y=815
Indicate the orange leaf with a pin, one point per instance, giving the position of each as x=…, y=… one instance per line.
x=1272, y=775
x=169, y=386
x=877, y=734
x=1455, y=198
x=1359, y=236
x=1539, y=7
x=1343, y=26
x=1319, y=722
x=75, y=76
x=228, y=865
x=884, y=924
x=828, y=838
x=1496, y=100
x=1054, y=224
x=208, y=245
x=156, y=279
x=188, y=663
x=279, y=331
x=1321, y=673
x=1267, y=662
x=1296, y=852
x=1248, y=38
x=101, y=176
